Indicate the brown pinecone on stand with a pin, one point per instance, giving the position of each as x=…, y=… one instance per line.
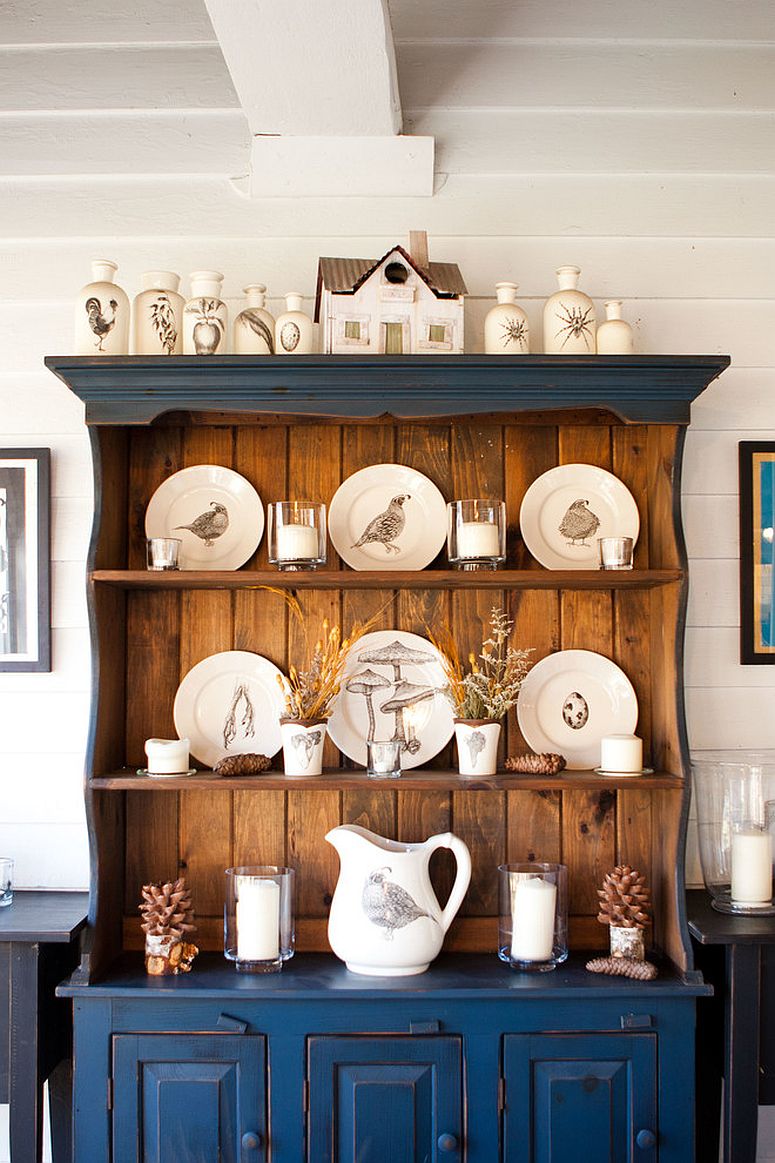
x=247, y=764
x=625, y=901
x=543, y=763
x=167, y=919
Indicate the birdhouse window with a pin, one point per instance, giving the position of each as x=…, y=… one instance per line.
x=352, y=329
x=396, y=273
x=437, y=333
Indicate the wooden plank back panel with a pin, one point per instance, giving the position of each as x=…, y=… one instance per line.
x=154, y=455
x=527, y=453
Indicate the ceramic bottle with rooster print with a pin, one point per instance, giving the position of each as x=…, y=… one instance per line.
x=205, y=316
x=569, y=317
x=157, y=315
x=254, y=326
x=506, y=330
x=102, y=314
x=294, y=332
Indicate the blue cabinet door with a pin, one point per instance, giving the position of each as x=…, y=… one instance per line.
x=194, y=1097
x=588, y=1098
x=385, y=1099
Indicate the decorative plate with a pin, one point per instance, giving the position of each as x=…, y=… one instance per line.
x=387, y=516
x=215, y=512
x=568, y=508
x=392, y=689
x=570, y=700
x=230, y=704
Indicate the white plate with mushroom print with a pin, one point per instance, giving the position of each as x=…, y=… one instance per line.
x=215, y=512
x=570, y=700
x=230, y=704
x=387, y=516
x=392, y=688
x=565, y=511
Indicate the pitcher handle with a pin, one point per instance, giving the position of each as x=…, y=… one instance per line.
x=462, y=877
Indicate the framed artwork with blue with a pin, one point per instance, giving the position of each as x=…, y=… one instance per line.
x=757, y=551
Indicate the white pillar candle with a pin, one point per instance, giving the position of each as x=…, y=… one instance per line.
x=532, y=936
x=167, y=756
x=621, y=753
x=751, y=867
x=478, y=539
x=258, y=919
x=296, y=542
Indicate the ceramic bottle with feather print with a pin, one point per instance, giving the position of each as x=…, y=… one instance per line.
x=254, y=326
x=569, y=317
x=102, y=314
x=205, y=316
x=157, y=315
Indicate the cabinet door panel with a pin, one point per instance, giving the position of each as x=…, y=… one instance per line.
x=187, y=1097
x=380, y=1099
x=583, y=1097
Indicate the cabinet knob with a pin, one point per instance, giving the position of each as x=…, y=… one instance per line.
x=645, y=1139
x=447, y=1142
x=251, y=1141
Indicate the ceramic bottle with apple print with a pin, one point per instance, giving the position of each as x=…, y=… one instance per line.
x=206, y=317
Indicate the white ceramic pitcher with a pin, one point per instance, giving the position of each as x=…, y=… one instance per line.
x=385, y=920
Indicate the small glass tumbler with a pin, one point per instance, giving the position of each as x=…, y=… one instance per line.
x=6, y=881
x=258, y=919
x=297, y=534
x=615, y=552
x=476, y=534
x=163, y=553
x=383, y=758
x=533, y=916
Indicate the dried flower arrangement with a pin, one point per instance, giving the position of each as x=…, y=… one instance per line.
x=490, y=688
x=309, y=694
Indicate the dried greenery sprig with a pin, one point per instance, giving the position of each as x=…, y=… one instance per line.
x=491, y=685
x=310, y=693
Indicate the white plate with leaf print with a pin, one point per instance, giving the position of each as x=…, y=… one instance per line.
x=387, y=516
x=230, y=704
x=392, y=689
x=565, y=511
x=570, y=700
x=215, y=512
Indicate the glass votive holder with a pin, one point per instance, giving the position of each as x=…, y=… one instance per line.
x=163, y=553
x=258, y=920
x=476, y=534
x=297, y=534
x=533, y=915
x=6, y=881
x=615, y=552
x=383, y=758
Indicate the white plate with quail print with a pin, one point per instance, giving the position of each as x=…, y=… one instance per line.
x=570, y=700
x=215, y=512
x=230, y=704
x=387, y=516
x=565, y=511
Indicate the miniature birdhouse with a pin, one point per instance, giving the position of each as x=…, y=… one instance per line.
x=399, y=304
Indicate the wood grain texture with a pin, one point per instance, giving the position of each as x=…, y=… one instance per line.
x=533, y=826
x=310, y=816
x=528, y=452
x=588, y=844
x=259, y=825
x=154, y=454
x=630, y=464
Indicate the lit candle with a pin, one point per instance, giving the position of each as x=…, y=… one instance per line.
x=621, y=753
x=296, y=543
x=751, y=867
x=167, y=756
x=533, y=920
x=258, y=919
x=478, y=539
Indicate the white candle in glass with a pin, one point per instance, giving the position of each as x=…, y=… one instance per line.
x=751, y=866
x=478, y=539
x=296, y=543
x=167, y=756
x=621, y=753
x=258, y=919
x=532, y=936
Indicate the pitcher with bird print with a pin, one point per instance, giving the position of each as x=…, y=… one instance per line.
x=102, y=314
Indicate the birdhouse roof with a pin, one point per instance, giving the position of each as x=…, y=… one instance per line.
x=345, y=276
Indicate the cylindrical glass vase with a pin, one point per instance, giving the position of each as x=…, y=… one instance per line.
x=258, y=917
x=476, y=534
x=734, y=791
x=297, y=534
x=533, y=915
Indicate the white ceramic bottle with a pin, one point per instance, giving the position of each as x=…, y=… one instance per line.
x=569, y=317
x=614, y=336
x=157, y=315
x=254, y=326
x=205, y=316
x=102, y=314
x=506, y=329
x=294, y=332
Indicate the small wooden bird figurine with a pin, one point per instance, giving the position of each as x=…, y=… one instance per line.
x=388, y=905
x=579, y=523
x=209, y=526
x=386, y=526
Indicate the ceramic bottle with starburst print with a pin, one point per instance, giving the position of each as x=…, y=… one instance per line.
x=614, y=336
x=205, y=316
x=157, y=315
x=254, y=326
x=506, y=329
x=102, y=314
x=569, y=317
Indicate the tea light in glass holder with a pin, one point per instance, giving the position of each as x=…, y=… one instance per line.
x=476, y=534
x=258, y=917
x=163, y=553
x=383, y=758
x=297, y=534
x=615, y=552
x=533, y=915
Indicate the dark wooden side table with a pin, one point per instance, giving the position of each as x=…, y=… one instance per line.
x=38, y=947
x=735, y=1037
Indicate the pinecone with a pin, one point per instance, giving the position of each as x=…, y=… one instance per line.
x=623, y=967
x=166, y=910
x=248, y=764
x=625, y=901
x=545, y=763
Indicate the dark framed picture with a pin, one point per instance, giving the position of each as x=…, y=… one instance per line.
x=25, y=586
x=757, y=546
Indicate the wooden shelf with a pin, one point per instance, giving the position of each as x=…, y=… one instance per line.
x=418, y=779
x=427, y=579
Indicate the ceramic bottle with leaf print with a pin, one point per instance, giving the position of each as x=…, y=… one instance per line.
x=158, y=315
x=254, y=326
x=205, y=316
x=102, y=314
x=294, y=332
x=506, y=330
x=569, y=317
